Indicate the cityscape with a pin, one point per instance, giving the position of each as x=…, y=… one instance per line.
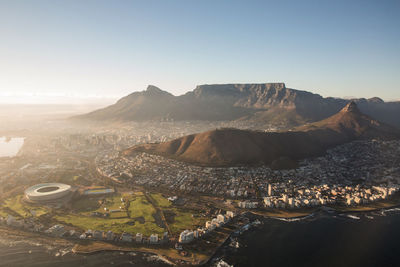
x=199, y=133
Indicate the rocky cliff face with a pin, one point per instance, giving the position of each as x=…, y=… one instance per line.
x=258, y=103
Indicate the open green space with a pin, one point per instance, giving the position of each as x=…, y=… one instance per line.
x=161, y=201
x=138, y=218
x=3, y=213
x=85, y=204
x=93, y=223
x=184, y=220
x=24, y=209
x=113, y=203
x=140, y=207
x=137, y=213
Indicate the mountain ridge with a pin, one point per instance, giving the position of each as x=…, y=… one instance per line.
x=259, y=103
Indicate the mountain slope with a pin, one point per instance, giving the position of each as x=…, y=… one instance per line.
x=231, y=147
x=353, y=123
x=259, y=104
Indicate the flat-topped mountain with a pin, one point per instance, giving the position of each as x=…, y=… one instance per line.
x=231, y=147
x=257, y=103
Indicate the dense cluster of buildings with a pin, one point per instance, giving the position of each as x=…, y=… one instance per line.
x=351, y=170
x=325, y=194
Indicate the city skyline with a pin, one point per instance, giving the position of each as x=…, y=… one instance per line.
x=97, y=49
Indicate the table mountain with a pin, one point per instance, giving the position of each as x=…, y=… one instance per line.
x=260, y=104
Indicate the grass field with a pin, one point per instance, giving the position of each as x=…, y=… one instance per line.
x=3, y=213
x=118, y=222
x=86, y=204
x=112, y=203
x=103, y=224
x=23, y=209
x=184, y=220
x=140, y=207
x=161, y=201
x=139, y=218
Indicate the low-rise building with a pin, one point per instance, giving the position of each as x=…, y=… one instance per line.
x=154, y=239
x=139, y=238
x=126, y=237
x=186, y=236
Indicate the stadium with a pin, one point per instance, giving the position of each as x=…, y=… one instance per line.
x=47, y=192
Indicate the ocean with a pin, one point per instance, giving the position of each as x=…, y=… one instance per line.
x=322, y=240
x=364, y=239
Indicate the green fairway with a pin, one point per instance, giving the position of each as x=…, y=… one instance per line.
x=93, y=223
x=118, y=214
x=140, y=207
x=161, y=201
x=183, y=220
x=138, y=218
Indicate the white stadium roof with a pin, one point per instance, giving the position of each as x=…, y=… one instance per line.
x=47, y=191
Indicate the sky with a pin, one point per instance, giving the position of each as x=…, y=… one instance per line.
x=107, y=49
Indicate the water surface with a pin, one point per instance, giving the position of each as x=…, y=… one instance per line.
x=321, y=241
x=10, y=147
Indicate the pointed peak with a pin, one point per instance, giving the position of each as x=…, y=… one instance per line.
x=152, y=88
x=155, y=91
x=351, y=107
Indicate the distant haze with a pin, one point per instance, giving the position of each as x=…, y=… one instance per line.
x=63, y=51
x=41, y=98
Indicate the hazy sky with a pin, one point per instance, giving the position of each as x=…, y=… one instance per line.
x=111, y=48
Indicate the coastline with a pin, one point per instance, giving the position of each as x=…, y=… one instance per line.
x=98, y=246
x=172, y=256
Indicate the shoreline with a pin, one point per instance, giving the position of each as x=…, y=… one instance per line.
x=170, y=255
x=77, y=249
x=289, y=214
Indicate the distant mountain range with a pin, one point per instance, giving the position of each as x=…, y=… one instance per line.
x=232, y=147
x=260, y=104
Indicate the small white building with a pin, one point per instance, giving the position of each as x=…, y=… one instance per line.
x=186, y=236
x=221, y=219
x=139, y=238
x=154, y=239
x=230, y=214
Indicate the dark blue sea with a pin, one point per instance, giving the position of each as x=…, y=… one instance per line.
x=322, y=240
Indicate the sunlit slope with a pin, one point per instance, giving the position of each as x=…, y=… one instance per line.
x=230, y=147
